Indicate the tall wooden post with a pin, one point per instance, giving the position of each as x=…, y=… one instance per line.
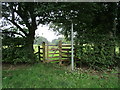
x=60, y=52
x=43, y=45
x=39, y=52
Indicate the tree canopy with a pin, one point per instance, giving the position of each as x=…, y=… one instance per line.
x=96, y=24
x=101, y=18
x=39, y=40
x=25, y=17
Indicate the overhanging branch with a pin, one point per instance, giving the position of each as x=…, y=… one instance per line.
x=25, y=19
x=18, y=27
x=14, y=33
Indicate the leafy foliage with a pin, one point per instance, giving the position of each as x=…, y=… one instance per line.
x=39, y=40
x=15, y=55
x=24, y=19
x=97, y=56
x=56, y=41
x=96, y=28
x=13, y=50
x=95, y=24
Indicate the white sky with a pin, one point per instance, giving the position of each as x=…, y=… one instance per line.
x=45, y=32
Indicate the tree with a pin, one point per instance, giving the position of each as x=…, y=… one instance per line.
x=84, y=19
x=56, y=41
x=22, y=14
x=94, y=24
x=118, y=20
x=39, y=40
x=25, y=17
x=89, y=20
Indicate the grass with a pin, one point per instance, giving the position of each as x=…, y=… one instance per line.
x=53, y=76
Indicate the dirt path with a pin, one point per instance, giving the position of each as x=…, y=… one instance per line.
x=14, y=67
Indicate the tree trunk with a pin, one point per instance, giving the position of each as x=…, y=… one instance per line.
x=30, y=40
x=29, y=44
x=29, y=47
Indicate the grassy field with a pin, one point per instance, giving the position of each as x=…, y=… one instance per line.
x=53, y=76
x=49, y=75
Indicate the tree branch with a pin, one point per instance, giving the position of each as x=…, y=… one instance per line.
x=25, y=19
x=14, y=33
x=18, y=27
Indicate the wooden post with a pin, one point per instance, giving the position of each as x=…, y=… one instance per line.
x=60, y=52
x=39, y=52
x=68, y=54
x=43, y=45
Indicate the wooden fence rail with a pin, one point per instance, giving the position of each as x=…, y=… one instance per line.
x=49, y=52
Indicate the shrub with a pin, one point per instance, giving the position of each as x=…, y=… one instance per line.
x=15, y=55
x=13, y=50
x=98, y=53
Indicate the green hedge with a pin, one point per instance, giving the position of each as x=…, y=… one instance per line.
x=13, y=51
x=100, y=53
x=15, y=55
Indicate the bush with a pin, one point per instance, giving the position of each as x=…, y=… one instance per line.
x=15, y=55
x=13, y=50
x=100, y=54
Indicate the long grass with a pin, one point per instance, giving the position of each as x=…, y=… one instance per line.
x=52, y=76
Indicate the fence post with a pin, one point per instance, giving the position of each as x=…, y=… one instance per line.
x=60, y=52
x=43, y=45
x=39, y=52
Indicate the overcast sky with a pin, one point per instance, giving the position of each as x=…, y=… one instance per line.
x=45, y=32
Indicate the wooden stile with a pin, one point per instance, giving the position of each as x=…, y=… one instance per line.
x=39, y=52
x=51, y=60
x=64, y=52
x=60, y=52
x=53, y=49
x=57, y=60
x=66, y=45
x=54, y=57
x=65, y=57
x=66, y=49
x=43, y=45
x=52, y=45
x=53, y=53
